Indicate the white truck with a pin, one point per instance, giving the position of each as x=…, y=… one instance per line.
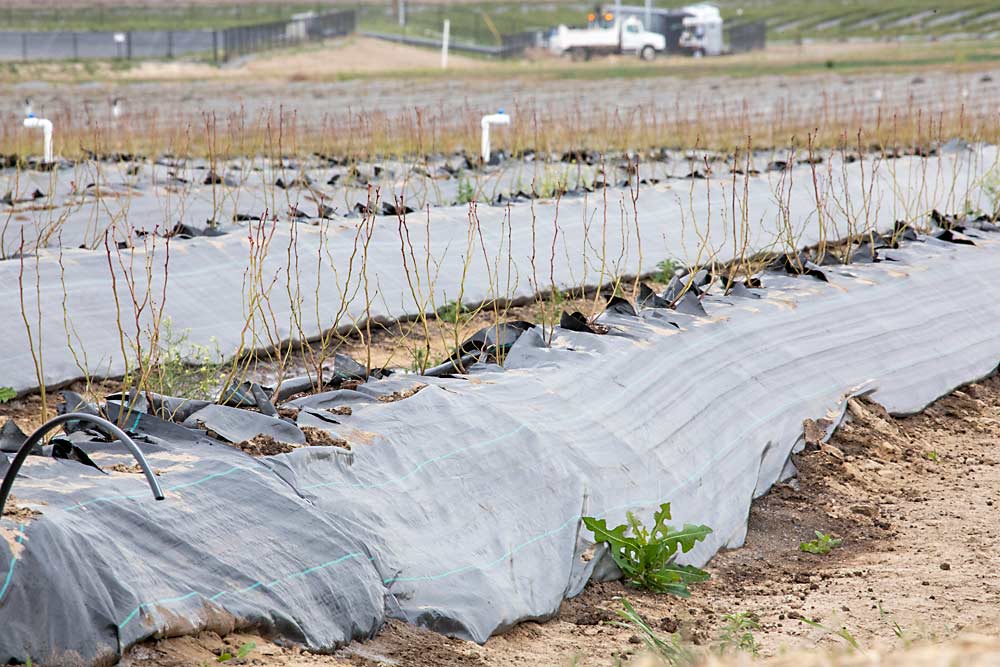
x=607, y=34
x=702, y=34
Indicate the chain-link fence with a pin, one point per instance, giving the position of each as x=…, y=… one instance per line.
x=474, y=27
x=304, y=28
x=215, y=45
x=63, y=45
x=745, y=37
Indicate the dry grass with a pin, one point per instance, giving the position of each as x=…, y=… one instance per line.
x=417, y=132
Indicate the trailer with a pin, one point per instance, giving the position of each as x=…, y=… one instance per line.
x=702, y=34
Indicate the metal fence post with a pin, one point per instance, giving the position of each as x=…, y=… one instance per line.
x=128, y=45
x=76, y=47
x=24, y=46
x=170, y=44
x=215, y=46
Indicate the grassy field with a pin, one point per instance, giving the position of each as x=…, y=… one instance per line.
x=786, y=19
x=482, y=22
x=860, y=18
x=180, y=16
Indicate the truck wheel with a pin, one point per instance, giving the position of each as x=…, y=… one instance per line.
x=648, y=53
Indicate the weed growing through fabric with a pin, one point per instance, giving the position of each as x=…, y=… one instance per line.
x=737, y=633
x=7, y=394
x=665, y=271
x=551, y=185
x=418, y=360
x=183, y=369
x=466, y=192
x=646, y=557
x=668, y=650
x=452, y=312
x=823, y=544
x=991, y=188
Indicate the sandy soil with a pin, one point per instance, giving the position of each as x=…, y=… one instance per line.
x=364, y=55
x=913, y=500
x=347, y=56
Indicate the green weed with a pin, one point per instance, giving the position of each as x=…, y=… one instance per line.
x=452, y=312
x=550, y=186
x=466, y=193
x=418, y=359
x=665, y=271
x=646, y=557
x=7, y=394
x=933, y=456
x=243, y=651
x=823, y=544
x=668, y=649
x=991, y=188
x=181, y=368
x=897, y=629
x=843, y=633
x=737, y=633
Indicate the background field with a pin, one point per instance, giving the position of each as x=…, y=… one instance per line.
x=474, y=20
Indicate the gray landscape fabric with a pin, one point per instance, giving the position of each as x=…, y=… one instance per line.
x=458, y=507
x=580, y=240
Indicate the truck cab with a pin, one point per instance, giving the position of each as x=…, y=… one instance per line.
x=606, y=33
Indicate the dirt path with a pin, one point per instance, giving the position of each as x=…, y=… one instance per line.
x=913, y=500
x=352, y=55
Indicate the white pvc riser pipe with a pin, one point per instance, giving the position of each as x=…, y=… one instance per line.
x=46, y=125
x=499, y=118
x=445, y=38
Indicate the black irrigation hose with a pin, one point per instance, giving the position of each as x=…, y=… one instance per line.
x=453, y=366
x=106, y=426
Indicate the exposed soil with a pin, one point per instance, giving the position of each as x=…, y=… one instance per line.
x=27, y=410
x=401, y=395
x=16, y=513
x=264, y=445
x=423, y=344
x=133, y=469
x=352, y=55
x=317, y=437
x=913, y=500
x=359, y=56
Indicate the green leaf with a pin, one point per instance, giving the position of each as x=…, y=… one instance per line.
x=638, y=530
x=246, y=649
x=646, y=558
x=7, y=394
x=660, y=518
x=687, y=536
x=599, y=527
x=689, y=574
